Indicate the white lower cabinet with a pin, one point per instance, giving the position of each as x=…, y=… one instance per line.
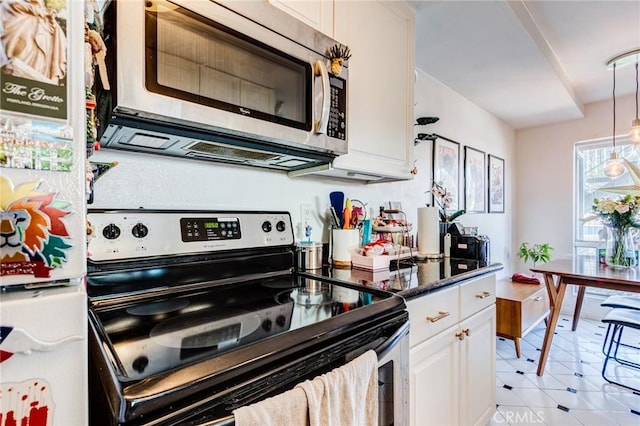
x=434, y=378
x=478, y=368
x=452, y=371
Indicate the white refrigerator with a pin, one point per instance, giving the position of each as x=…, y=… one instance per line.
x=43, y=302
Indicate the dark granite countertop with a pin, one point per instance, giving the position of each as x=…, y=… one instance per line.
x=412, y=279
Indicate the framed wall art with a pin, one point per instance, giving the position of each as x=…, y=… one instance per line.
x=474, y=180
x=446, y=168
x=496, y=184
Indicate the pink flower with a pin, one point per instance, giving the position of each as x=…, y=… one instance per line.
x=622, y=208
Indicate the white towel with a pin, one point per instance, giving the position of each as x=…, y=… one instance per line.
x=286, y=409
x=345, y=396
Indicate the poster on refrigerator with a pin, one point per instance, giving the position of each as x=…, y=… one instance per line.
x=33, y=57
x=34, y=144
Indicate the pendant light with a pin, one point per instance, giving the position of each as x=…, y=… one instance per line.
x=614, y=167
x=634, y=134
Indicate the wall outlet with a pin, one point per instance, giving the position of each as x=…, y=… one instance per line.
x=306, y=213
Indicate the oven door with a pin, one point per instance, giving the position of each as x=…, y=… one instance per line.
x=393, y=381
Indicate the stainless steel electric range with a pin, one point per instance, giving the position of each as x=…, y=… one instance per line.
x=196, y=313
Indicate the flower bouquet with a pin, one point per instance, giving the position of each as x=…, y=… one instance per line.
x=620, y=216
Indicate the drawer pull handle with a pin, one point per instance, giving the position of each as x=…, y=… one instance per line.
x=537, y=299
x=484, y=295
x=441, y=315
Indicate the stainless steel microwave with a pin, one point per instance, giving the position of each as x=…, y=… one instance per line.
x=233, y=81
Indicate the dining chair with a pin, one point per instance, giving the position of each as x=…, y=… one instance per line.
x=618, y=319
x=620, y=301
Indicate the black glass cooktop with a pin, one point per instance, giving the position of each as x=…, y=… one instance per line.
x=158, y=334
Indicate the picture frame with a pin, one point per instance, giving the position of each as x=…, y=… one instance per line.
x=474, y=180
x=446, y=168
x=495, y=177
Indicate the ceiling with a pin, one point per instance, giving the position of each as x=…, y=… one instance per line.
x=528, y=62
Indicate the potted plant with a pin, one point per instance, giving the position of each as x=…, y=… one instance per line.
x=536, y=253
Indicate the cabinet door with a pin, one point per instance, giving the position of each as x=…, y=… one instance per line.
x=380, y=35
x=434, y=377
x=316, y=13
x=478, y=368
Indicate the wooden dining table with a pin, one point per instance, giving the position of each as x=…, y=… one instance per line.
x=584, y=271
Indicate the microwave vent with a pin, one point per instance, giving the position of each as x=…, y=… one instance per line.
x=231, y=152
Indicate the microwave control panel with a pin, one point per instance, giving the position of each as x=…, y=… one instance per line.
x=337, y=127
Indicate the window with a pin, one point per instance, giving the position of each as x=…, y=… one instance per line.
x=590, y=158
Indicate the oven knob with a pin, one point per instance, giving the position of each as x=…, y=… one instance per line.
x=266, y=226
x=266, y=325
x=280, y=226
x=281, y=320
x=140, y=364
x=111, y=231
x=139, y=230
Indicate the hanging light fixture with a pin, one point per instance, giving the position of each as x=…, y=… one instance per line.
x=634, y=134
x=614, y=167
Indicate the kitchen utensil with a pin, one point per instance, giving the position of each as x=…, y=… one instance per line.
x=337, y=202
x=346, y=224
x=334, y=218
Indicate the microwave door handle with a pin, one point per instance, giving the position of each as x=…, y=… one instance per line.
x=321, y=69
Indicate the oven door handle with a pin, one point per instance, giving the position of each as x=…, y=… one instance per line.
x=389, y=344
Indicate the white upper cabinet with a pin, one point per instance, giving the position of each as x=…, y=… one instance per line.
x=380, y=35
x=315, y=13
x=380, y=124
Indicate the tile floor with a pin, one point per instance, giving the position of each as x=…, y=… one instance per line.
x=572, y=390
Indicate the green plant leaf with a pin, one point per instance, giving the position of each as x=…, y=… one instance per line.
x=456, y=215
x=537, y=252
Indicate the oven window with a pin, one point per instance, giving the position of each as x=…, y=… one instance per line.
x=195, y=59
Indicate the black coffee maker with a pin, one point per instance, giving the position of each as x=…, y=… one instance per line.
x=474, y=247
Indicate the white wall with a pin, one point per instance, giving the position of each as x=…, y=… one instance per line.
x=545, y=171
x=468, y=124
x=160, y=182
x=545, y=175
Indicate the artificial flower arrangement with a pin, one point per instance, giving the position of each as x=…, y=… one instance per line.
x=443, y=200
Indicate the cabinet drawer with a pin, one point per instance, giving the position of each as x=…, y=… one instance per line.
x=477, y=294
x=432, y=313
x=534, y=307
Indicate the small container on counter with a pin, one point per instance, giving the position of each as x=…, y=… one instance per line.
x=308, y=256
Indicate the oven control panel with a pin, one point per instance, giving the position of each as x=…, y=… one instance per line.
x=130, y=234
x=210, y=228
